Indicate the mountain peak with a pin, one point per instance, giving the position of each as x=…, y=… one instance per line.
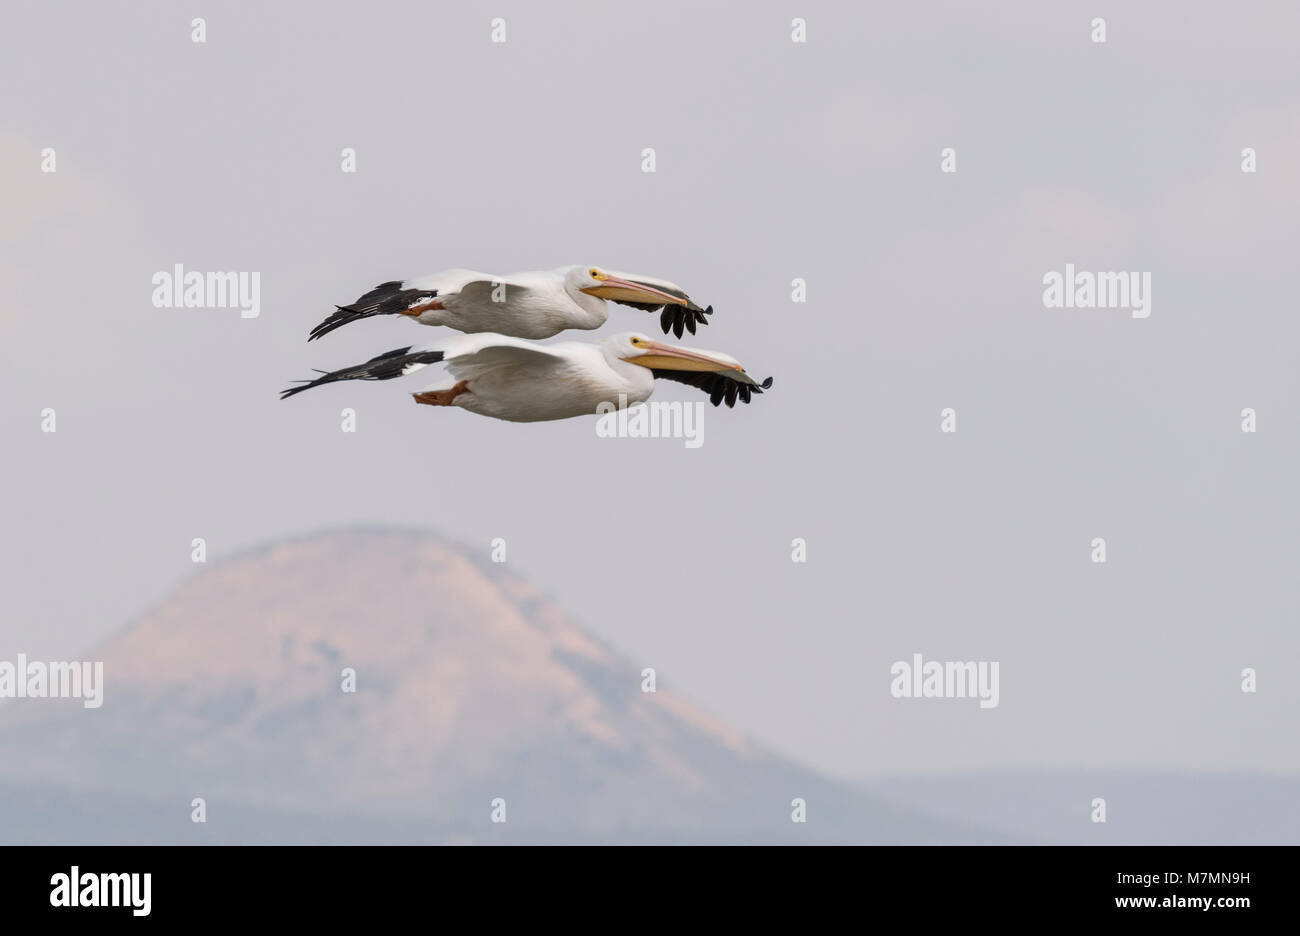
x=470, y=685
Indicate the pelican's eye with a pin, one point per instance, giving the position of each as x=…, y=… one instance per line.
x=595, y=274
x=636, y=341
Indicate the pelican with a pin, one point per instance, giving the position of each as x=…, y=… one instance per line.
x=535, y=305
x=522, y=381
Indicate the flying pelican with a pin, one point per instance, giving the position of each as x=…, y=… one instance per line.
x=521, y=381
x=536, y=304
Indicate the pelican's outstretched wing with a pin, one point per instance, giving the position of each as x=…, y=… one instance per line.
x=465, y=355
x=386, y=366
x=407, y=297
x=469, y=355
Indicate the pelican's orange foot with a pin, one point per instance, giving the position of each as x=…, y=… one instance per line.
x=441, y=397
x=420, y=309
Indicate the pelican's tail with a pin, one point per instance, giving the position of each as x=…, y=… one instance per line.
x=392, y=364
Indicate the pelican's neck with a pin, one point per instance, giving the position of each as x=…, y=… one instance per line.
x=592, y=311
x=638, y=381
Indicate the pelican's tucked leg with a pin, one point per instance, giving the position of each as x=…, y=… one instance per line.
x=441, y=397
x=422, y=308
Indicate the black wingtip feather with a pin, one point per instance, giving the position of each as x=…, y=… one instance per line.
x=674, y=318
x=385, y=366
x=720, y=387
x=385, y=299
x=343, y=315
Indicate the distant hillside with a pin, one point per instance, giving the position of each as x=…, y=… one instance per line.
x=471, y=685
x=1142, y=807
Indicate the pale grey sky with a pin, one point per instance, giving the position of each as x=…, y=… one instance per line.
x=775, y=160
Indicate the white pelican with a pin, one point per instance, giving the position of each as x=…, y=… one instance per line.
x=521, y=381
x=536, y=304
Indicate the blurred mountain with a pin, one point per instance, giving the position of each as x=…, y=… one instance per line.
x=471, y=685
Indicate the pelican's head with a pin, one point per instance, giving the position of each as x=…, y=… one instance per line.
x=636, y=348
x=628, y=288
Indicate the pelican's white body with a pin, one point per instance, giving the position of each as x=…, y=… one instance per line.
x=516, y=380
x=536, y=304
x=523, y=381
